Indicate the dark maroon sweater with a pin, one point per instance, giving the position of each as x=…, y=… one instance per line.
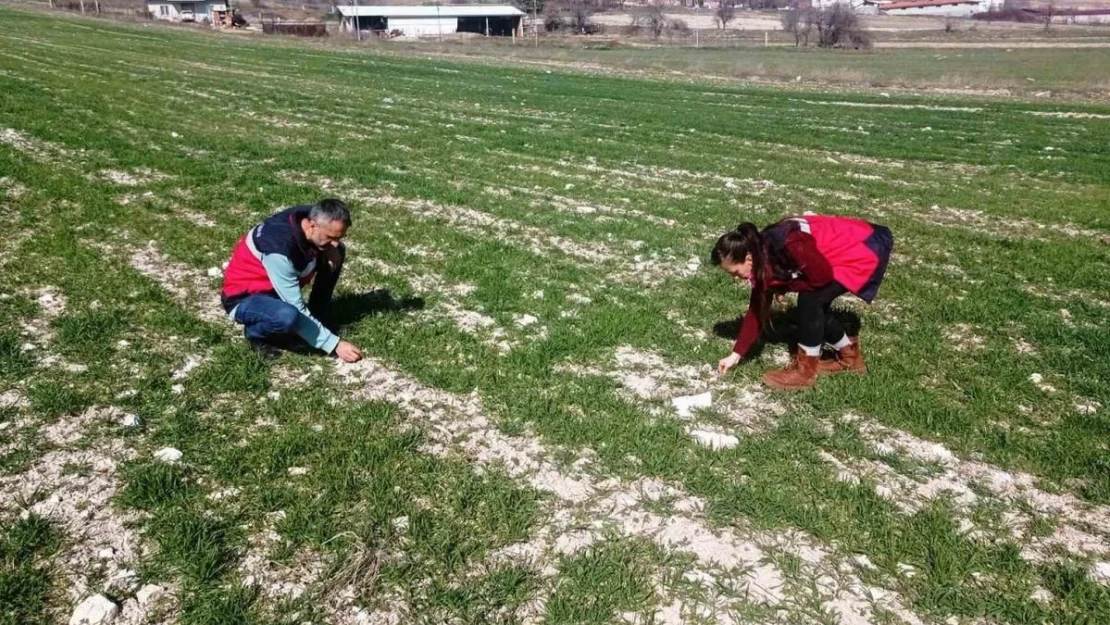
x=815, y=270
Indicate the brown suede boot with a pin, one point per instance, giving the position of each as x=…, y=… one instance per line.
x=848, y=359
x=799, y=375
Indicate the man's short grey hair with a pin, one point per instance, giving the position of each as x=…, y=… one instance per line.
x=330, y=210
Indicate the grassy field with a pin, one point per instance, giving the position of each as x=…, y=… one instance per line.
x=1011, y=69
x=527, y=270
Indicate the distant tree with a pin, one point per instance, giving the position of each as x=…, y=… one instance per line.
x=726, y=12
x=1049, y=11
x=653, y=18
x=809, y=19
x=527, y=6
x=573, y=15
x=579, y=13
x=791, y=18
x=839, y=26
x=678, y=27
x=799, y=21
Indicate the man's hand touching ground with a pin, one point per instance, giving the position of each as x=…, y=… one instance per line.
x=348, y=352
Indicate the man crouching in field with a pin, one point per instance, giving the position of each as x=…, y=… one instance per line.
x=270, y=265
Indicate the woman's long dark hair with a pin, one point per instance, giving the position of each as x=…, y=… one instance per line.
x=735, y=246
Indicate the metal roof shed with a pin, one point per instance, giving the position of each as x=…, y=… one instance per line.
x=423, y=21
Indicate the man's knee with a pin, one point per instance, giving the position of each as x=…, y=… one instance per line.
x=285, y=318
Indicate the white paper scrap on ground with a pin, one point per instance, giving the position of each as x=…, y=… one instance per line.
x=688, y=403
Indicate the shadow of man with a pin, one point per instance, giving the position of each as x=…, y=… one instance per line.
x=346, y=309
x=782, y=330
x=349, y=308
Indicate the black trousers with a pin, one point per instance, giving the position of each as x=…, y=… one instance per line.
x=816, y=324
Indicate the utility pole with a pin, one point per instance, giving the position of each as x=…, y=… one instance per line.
x=535, y=23
x=358, y=18
x=439, y=23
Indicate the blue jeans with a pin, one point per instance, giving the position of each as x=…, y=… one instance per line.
x=264, y=315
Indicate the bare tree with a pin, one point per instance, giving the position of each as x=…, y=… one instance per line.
x=726, y=12
x=1049, y=11
x=809, y=18
x=580, y=12
x=839, y=26
x=574, y=15
x=799, y=22
x=791, y=18
x=653, y=18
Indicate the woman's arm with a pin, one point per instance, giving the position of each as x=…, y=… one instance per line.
x=751, y=326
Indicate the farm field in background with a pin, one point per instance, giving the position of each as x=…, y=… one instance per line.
x=527, y=270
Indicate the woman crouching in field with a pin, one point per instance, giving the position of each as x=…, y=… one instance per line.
x=820, y=258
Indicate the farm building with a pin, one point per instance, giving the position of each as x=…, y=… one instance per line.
x=177, y=11
x=945, y=8
x=425, y=21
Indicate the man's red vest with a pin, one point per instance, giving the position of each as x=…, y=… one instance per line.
x=279, y=234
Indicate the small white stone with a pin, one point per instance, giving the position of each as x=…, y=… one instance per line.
x=297, y=471
x=174, y=134
x=214, y=272
x=274, y=395
x=401, y=523
x=177, y=389
x=714, y=440
x=149, y=594
x=1100, y=571
x=168, y=455
x=123, y=344
x=223, y=494
x=1087, y=406
x=95, y=610
x=387, y=101
x=523, y=321
x=317, y=428
x=106, y=554
x=906, y=569
x=130, y=421
x=1042, y=595
x=864, y=562
x=1036, y=378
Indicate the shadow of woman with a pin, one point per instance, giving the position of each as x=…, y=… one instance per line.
x=782, y=329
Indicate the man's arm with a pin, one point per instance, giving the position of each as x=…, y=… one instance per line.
x=284, y=279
